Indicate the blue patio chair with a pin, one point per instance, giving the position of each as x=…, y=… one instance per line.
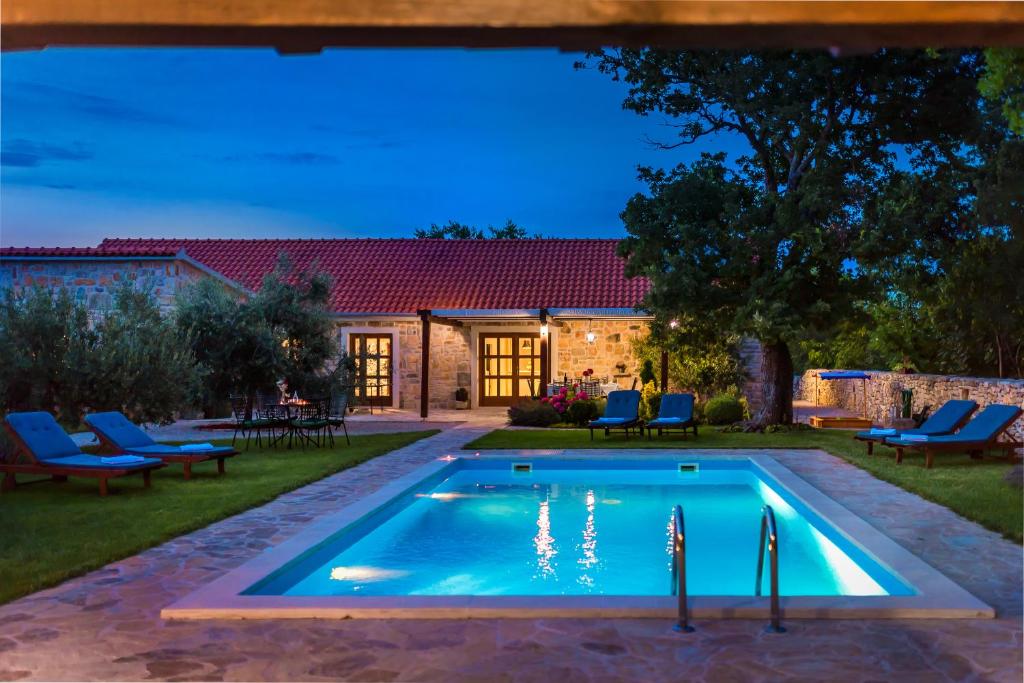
x=675, y=412
x=621, y=412
x=44, y=448
x=980, y=434
x=122, y=436
x=946, y=420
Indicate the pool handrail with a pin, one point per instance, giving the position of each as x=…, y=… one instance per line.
x=679, y=569
x=770, y=533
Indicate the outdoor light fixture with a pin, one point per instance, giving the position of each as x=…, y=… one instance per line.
x=673, y=323
x=544, y=330
x=591, y=337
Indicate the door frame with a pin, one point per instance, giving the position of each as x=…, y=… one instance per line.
x=474, y=344
x=395, y=355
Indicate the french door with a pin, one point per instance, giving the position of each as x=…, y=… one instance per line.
x=509, y=368
x=374, y=355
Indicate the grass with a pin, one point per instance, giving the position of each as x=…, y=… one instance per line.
x=975, y=489
x=54, y=531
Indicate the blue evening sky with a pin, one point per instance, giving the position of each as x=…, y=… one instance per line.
x=349, y=143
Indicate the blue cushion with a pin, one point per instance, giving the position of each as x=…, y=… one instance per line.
x=623, y=404
x=946, y=418
x=676, y=406
x=167, y=449
x=667, y=421
x=119, y=430
x=96, y=462
x=988, y=424
x=42, y=435
x=610, y=420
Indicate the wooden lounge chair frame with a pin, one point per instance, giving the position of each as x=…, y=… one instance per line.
x=975, y=449
x=58, y=473
x=186, y=460
x=881, y=441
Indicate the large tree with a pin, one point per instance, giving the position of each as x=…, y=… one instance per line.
x=766, y=244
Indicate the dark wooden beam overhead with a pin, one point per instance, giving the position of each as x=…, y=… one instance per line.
x=441, y=320
x=546, y=319
x=297, y=26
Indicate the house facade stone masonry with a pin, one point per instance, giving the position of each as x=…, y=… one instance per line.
x=483, y=301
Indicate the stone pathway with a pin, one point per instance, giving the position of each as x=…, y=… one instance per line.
x=106, y=625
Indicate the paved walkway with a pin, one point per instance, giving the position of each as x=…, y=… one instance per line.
x=106, y=625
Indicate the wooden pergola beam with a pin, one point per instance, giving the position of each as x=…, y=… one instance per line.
x=311, y=25
x=546, y=319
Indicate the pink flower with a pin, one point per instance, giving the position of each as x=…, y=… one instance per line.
x=563, y=391
x=582, y=396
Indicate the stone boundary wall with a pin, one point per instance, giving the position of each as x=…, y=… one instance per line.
x=883, y=393
x=93, y=282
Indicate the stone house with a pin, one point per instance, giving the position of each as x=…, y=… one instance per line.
x=500, y=318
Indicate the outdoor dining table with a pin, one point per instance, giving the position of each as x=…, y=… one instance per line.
x=287, y=412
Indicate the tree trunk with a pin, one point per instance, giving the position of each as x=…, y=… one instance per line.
x=776, y=386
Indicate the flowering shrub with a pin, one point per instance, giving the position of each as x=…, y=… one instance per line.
x=565, y=398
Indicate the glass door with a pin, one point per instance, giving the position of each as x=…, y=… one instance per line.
x=373, y=354
x=509, y=368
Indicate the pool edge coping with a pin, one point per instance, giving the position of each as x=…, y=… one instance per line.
x=937, y=597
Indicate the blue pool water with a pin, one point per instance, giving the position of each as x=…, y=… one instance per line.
x=572, y=528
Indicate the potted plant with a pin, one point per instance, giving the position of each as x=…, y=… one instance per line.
x=461, y=398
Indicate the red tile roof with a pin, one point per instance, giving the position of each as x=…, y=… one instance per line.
x=404, y=275
x=79, y=252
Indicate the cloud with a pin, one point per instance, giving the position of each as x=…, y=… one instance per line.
x=22, y=153
x=298, y=158
x=96, y=106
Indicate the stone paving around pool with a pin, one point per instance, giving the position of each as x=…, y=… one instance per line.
x=106, y=625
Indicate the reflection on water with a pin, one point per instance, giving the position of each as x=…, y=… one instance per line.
x=589, y=546
x=544, y=541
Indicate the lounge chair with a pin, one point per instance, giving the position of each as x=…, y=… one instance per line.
x=980, y=434
x=119, y=434
x=621, y=412
x=48, y=450
x=675, y=412
x=946, y=420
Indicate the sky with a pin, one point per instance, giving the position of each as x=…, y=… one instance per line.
x=348, y=143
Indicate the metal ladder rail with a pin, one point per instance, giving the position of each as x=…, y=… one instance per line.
x=679, y=570
x=770, y=533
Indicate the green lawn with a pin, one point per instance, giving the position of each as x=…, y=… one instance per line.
x=975, y=489
x=54, y=531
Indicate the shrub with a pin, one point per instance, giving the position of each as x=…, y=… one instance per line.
x=283, y=332
x=533, y=413
x=647, y=372
x=139, y=365
x=650, y=401
x=130, y=361
x=583, y=411
x=44, y=339
x=723, y=409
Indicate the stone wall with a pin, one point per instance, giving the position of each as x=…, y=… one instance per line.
x=450, y=357
x=613, y=346
x=883, y=393
x=93, y=283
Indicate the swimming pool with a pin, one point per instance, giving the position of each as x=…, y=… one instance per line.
x=574, y=535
